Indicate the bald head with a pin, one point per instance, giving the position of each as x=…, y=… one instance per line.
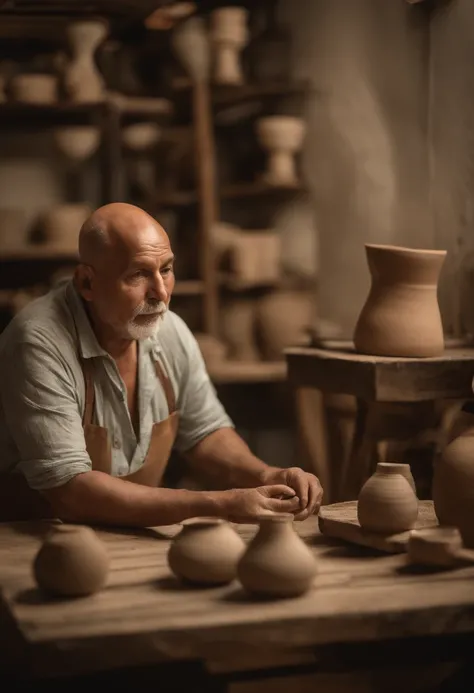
x=116, y=231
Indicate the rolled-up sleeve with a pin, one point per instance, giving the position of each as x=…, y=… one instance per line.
x=42, y=412
x=201, y=412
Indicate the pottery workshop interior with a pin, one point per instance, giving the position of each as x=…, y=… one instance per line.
x=237, y=345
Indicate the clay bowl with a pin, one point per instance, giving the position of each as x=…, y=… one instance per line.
x=77, y=142
x=34, y=88
x=141, y=136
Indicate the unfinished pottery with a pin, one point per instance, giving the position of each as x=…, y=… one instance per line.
x=141, y=136
x=277, y=562
x=206, y=551
x=283, y=320
x=72, y=562
x=77, y=142
x=34, y=88
x=453, y=486
x=229, y=35
x=401, y=316
x=282, y=137
x=387, y=503
x=403, y=469
x=82, y=80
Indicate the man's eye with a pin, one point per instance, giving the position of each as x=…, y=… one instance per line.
x=167, y=270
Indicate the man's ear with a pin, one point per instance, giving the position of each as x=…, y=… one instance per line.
x=83, y=280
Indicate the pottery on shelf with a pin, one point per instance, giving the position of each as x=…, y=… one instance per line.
x=141, y=136
x=61, y=224
x=453, y=485
x=401, y=315
x=283, y=319
x=229, y=34
x=71, y=562
x=34, y=88
x=206, y=551
x=77, y=142
x=277, y=562
x=282, y=137
x=387, y=503
x=237, y=322
x=82, y=79
x=213, y=350
x=190, y=42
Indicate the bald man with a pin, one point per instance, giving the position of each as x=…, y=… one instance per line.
x=99, y=381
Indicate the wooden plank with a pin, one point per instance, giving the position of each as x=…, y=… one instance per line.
x=377, y=378
x=339, y=521
x=145, y=615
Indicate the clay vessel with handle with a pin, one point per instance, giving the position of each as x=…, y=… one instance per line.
x=71, y=562
x=277, y=562
x=387, y=503
x=206, y=551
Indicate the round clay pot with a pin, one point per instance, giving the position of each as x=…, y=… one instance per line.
x=282, y=137
x=403, y=469
x=206, y=551
x=453, y=486
x=277, y=562
x=61, y=224
x=77, y=142
x=283, y=319
x=34, y=88
x=387, y=504
x=141, y=136
x=401, y=315
x=71, y=562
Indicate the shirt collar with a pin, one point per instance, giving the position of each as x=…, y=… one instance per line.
x=89, y=346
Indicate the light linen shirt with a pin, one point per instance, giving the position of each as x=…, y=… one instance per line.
x=42, y=391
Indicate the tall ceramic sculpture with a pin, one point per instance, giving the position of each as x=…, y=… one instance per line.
x=229, y=34
x=401, y=316
x=83, y=81
x=282, y=137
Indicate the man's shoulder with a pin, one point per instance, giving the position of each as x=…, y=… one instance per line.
x=44, y=322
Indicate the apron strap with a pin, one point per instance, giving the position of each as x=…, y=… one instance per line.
x=86, y=366
x=167, y=387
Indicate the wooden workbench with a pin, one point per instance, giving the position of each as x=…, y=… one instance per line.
x=396, y=398
x=145, y=616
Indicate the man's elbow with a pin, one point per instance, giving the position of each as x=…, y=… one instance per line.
x=67, y=501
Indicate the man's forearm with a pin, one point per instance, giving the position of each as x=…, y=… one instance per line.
x=98, y=498
x=223, y=455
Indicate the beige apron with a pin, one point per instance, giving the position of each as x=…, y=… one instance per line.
x=19, y=502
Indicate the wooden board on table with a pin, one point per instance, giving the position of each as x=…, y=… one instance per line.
x=339, y=521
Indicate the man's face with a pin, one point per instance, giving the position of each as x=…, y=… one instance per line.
x=131, y=293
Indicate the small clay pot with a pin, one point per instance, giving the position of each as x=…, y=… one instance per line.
x=403, y=469
x=206, y=552
x=387, y=503
x=72, y=562
x=277, y=562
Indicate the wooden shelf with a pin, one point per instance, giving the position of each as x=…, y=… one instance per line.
x=227, y=95
x=258, y=189
x=248, y=372
x=38, y=252
x=183, y=198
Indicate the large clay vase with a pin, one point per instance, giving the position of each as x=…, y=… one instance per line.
x=401, y=316
x=83, y=81
x=71, y=562
x=387, y=503
x=277, y=562
x=206, y=551
x=229, y=34
x=453, y=486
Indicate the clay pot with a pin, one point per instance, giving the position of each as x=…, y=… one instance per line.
x=277, y=562
x=71, y=562
x=141, y=136
x=229, y=34
x=61, y=225
x=82, y=79
x=206, y=551
x=283, y=319
x=387, y=504
x=453, y=486
x=77, y=142
x=282, y=137
x=34, y=88
x=237, y=323
x=403, y=469
x=401, y=316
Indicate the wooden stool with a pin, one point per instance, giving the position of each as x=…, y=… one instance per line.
x=397, y=400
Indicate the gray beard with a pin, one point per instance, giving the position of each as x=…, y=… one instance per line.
x=139, y=332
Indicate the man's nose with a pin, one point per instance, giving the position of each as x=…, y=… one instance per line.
x=157, y=288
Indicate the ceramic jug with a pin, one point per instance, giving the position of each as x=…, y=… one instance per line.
x=206, y=551
x=387, y=503
x=277, y=562
x=72, y=562
x=401, y=315
x=82, y=79
x=453, y=486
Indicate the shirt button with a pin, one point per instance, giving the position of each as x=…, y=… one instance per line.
x=116, y=444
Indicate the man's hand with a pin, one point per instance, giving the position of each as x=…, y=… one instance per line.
x=244, y=505
x=306, y=486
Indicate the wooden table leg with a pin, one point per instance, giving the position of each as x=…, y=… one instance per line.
x=361, y=460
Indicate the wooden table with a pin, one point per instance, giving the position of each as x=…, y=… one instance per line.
x=394, y=395
x=144, y=616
